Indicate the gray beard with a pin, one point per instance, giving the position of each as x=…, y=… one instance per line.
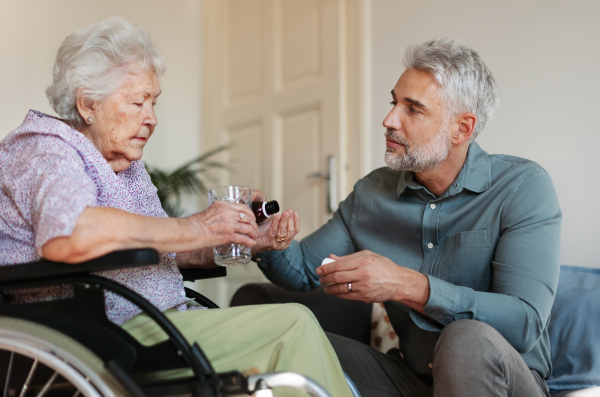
x=418, y=158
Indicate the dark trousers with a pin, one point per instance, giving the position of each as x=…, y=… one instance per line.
x=470, y=359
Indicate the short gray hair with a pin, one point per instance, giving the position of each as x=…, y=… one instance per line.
x=467, y=84
x=95, y=60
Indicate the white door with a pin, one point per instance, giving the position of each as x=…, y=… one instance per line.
x=275, y=83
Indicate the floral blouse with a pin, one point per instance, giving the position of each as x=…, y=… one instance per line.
x=49, y=173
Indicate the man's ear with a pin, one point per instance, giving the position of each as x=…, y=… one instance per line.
x=466, y=124
x=85, y=107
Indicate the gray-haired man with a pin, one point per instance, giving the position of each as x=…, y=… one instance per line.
x=462, y=247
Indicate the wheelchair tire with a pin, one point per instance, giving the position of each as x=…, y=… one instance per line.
x=37, y=360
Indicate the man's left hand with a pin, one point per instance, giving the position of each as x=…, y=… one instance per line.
x=374, y=278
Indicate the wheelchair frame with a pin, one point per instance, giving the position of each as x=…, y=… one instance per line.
x=83, y=318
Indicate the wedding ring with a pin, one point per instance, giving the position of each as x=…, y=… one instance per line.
x=349, y=287
x=280, y=239
x=242, y=215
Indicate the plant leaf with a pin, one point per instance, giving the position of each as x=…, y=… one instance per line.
x=187, y=179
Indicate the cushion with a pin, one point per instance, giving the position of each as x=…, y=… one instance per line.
x=574, y=330
x=591, y=392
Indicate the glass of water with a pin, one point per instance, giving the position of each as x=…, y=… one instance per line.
x=231, y=254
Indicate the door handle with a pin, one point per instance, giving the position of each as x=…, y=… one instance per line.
x=318, y=175
x=331, y=177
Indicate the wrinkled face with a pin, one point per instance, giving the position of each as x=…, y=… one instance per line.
x=125, y=120
x=417, y=136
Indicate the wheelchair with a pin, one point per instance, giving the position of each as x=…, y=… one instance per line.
x=68, y=347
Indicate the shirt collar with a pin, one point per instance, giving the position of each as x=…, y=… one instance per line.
x=407, y=179
x=475, y=175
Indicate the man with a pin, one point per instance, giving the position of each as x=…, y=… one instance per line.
x=462, y=247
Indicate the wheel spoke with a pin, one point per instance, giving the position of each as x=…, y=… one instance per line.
x=8, y=373
x=26, y=354
x=44, y=390
x=29, y=377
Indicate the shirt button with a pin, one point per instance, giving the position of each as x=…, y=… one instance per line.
x=258, y=260
x=430, y=365
x=432, y=206
x=430, y=245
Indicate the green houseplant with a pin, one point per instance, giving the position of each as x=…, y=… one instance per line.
x=188, y=179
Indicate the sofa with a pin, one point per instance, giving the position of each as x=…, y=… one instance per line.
x=574, y=324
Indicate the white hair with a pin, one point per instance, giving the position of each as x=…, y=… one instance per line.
x=93, y=62
x=467, y=84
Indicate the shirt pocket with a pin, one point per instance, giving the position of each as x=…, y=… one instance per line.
x=466, y=259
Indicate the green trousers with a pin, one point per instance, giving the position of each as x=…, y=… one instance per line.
x=265, y=338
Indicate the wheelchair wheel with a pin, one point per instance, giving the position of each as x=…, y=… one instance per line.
x=38, y=361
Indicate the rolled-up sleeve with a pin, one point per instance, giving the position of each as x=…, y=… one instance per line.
x=525, y=267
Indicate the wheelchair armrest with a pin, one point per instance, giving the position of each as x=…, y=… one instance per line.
x=44, y=269
x=192, y=274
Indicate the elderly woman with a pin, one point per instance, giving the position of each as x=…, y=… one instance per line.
x=74, y=188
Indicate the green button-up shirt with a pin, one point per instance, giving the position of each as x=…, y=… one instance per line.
x=490, y=246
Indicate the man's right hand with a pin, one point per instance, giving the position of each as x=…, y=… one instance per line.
x=277, y=232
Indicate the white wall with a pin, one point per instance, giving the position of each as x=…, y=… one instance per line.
x=545, y=56
x=32, y=30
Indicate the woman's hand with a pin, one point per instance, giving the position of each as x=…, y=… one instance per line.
x=224, y=223
x=100, y=230
x=258, y=195
x=277, y=232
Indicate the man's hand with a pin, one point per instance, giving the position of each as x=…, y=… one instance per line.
x=277, y=232
x=374, y=278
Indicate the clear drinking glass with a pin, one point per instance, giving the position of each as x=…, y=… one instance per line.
x=231, y=254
